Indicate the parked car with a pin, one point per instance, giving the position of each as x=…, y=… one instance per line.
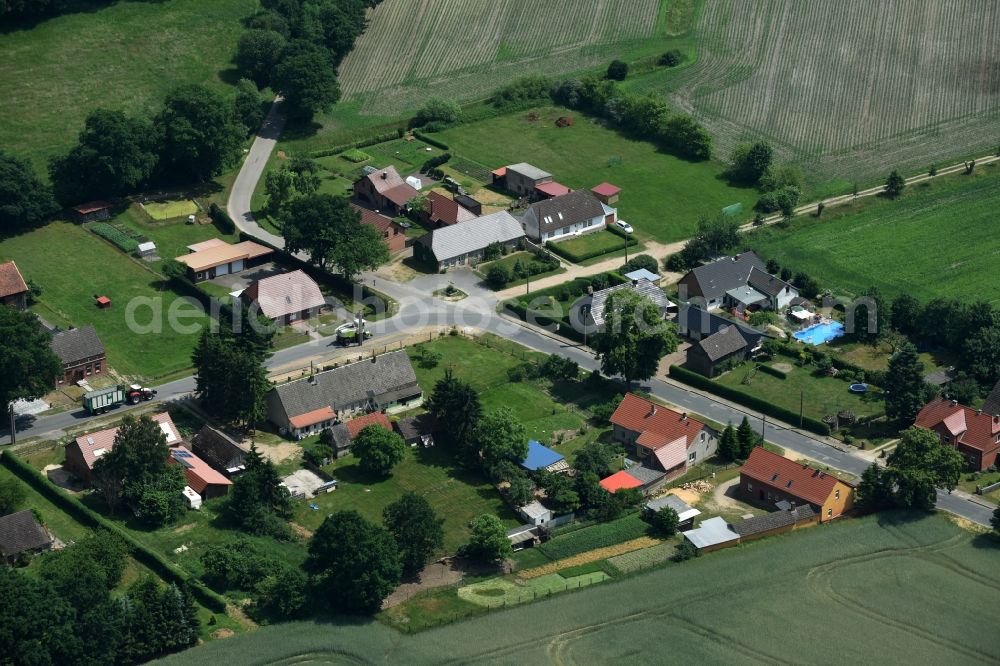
x=624, y=226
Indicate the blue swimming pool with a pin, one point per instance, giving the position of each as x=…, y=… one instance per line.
x=818, y=334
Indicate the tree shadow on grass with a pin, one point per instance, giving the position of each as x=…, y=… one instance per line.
x=300, y=130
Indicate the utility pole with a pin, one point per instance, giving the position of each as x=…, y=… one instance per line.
x=626, y=247
x=13, y=430
x=763, y=427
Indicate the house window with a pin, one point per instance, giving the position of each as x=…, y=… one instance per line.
x=97, y=366
x=947, y=440
x=829, y=513
x=769, y=496
x=749, y=487
x=836, y=494
x=703, y=437
x=692, y=456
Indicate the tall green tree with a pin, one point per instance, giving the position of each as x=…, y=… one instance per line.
x=501, y=436
x=199, y=132
x=874, y=491
x=24, y=199
x=352, y=563
x=750, y=161
x=560, y=494
x=635, y=336
x=894, y=184
x=729, y=444
x=417, y=529
x=36, y=624
x=488, y=541
x=135, y=463
x=307, y=79
x=665, y=521
x=157, y=619
x=872, y=315
x=596, y=457
x=905, y=389
x=231, y=379
x=257, y=501
x=12, y=495
x=330, y=231
x=919, y=465
x=28, y=366
x=378, y=450
x=258, y=52
x=905, y=314
x=249, y=105
x=279, y=187
x=114, y=155
x=982, y=350
x=456, y=407
x=748, y=439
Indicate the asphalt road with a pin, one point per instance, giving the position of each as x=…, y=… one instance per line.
x=417, y=309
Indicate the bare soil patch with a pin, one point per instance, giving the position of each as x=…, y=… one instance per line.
x=589, y=556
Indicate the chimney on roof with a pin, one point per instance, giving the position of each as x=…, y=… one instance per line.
x=684, y=416
x=954, y=403
x=979, y=412
x=635, y=283
x=384, y=175
x=652, y=410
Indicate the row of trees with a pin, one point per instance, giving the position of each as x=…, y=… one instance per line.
x=67, y=614
x=737, y=443
x=295, y=46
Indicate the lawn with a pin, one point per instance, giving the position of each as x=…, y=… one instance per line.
x=820, y=395
x=173, y=237
x=596, y=246
x=509, y=262
x=165, y=210
x=916, y=587
x=662, y=195
x=125, y=55
x=904, y=246
x=457, y=495
x=71, y=265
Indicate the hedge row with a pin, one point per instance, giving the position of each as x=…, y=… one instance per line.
x=576, y=257
x=430, y=140
x=122, y=241
x=753, y=402
x=90, y=518
x=774, y=372
x=221, y=219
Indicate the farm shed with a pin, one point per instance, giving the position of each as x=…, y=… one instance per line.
x=535, y=513
x=418, y=429
x=13, y=288
x=219, y=450
x=20, y=534
x=606, y=192
x=521, y=178
x=214, y=258
x=541, y=457
x=200, y=476
x=92, y=211
x=712, y=534
x=685, y=512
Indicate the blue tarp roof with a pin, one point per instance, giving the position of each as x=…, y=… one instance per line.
x=539, y=456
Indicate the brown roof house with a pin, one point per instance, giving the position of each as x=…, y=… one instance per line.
x=285, y=298
x=572, y=214
x=13, y=289
x=775, y=481
x=443, y=211
x=660, y=438
x=81, y=353
x=200, y=476
x=82, y=453
x=974, y=433
x=21, y=535
x=215, y=257
x=385, y=190
x=393, y=234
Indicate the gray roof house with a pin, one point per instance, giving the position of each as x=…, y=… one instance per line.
x=685, y=513
x=572, y=214
x=80, y=351
x=20, y=533
x=594, y=306
x=380, y=383
x=464, y=243
x=724, y=282
x=721, y=350
x=695, y=323
x=712, y=534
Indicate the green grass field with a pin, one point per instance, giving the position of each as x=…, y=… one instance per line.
x=457, y=495
x=917, y=590
x=604, y=242
x=823, y=395
x=937, y=240
x=71, y=265
x=165, y=210
x=126, y=55
x=662, y=195
x=801, y=75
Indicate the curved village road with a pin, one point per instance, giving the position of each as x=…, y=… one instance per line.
x=418, y=309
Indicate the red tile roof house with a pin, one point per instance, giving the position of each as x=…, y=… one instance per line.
x=81, y=353
x=82, y=453
x=767, y=478
x=607, y=193
x=660, y=437
x=443, y=211
x=13, y=289
x=385, y=190
x=975, y=434
x=393, y=234
x=285, y=298
x=199, y=475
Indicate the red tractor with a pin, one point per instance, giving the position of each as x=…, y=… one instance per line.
x=135, y=394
